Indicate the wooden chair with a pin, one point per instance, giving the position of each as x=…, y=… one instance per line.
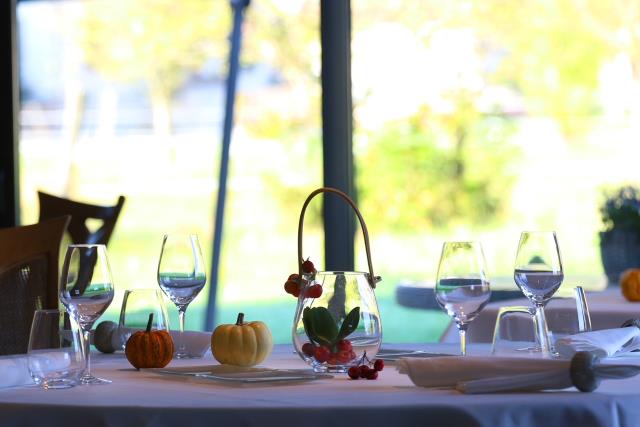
x=29, y=257
x=81, y=213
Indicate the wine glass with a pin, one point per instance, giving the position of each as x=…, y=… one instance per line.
x=462, y=286
x=181, y=276
x=538, y=273
x=86, y=290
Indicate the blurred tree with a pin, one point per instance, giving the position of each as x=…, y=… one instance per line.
x=158, y=42
x=553, y=52
x=437, y=171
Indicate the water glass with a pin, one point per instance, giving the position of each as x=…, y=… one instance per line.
x=55, y=357
x=462, y=285
x=516, y=330
x=137, y=304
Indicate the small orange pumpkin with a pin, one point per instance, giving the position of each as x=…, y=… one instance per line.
x=149, y=349
x=630, y=284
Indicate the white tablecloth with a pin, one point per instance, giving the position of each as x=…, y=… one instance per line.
x=608, y=310
x=138, y=398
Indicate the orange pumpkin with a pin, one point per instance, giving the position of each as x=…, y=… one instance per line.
x=149, y=349
x=630, y=284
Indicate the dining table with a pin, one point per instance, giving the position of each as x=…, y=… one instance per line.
x=149, y=398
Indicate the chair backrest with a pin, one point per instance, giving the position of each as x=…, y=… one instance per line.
x=53, y=206
x=29, y=257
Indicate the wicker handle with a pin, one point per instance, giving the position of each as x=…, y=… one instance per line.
x=371, y=277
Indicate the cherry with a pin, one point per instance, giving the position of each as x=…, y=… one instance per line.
x=378, y=365
x=308, y=266
x=344, y=356
x=372, y=374
x=322, y=354
x=290, y=287
x=345, y=345
x=308, y=349
x=314, y=291
x=334, y=360
x=294, y=276
x=364, y=370
x=354, y=372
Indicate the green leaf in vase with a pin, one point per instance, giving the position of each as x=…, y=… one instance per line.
x=323, y=326
x=349, y=324
x=306, y=322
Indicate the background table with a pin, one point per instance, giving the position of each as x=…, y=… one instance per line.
x=608, y=309
x=147, y=399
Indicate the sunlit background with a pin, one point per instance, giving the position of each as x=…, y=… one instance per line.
x=473, y=119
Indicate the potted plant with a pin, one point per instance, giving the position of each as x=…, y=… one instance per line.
x=620, y=240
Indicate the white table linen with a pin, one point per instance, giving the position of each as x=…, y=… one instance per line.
x=142, y=398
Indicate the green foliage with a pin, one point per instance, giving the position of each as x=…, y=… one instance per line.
x=437, y=171
x=553, y=54
x=156, y=41
x=621, y=209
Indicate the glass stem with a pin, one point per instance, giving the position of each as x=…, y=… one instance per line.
x=462, y=330
x=86, y=349
x=181, y=345
x=542, y=332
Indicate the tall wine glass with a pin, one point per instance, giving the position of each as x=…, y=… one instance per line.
x=462, y=286
x=181, y=276
x=86, y=290
x=538, y=273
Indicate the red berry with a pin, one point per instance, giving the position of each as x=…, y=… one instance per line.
x=294, y=276
x=354, y=372
x=308, y=267
x=344, y=356
x=290, y=286
x=372, y=374
x=334, y=360
x=378, y=365
x=345, y=345
x=322, y=354
x=314, y=291
x=308, y=349
x=364, y=370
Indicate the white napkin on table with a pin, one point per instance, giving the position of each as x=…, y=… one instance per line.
x=448, y=371
x=604, y=343
x=14, y=371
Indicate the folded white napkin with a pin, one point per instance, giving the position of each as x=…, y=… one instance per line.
x=14, y=371
x=448, y=371
x=604, y=343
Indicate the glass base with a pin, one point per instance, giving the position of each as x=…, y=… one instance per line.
x=187, y=356
x=58, y=384
x=91, y=380
x=332, y=369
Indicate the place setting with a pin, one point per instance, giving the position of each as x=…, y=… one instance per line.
x=527, y=352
